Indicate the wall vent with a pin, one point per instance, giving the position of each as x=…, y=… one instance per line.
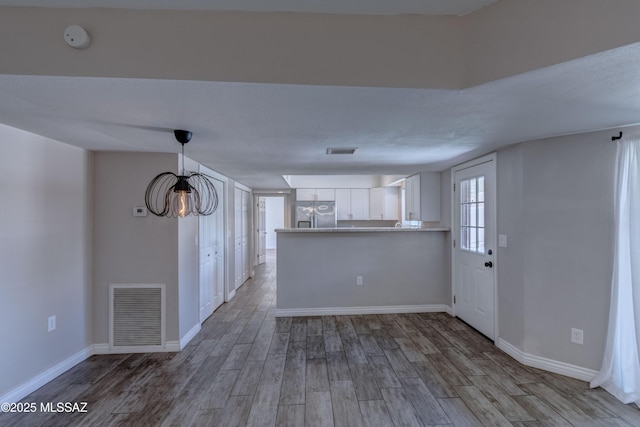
x=333, y=151
x=137, y=317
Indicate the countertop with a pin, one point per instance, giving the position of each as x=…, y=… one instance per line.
x=360, y=230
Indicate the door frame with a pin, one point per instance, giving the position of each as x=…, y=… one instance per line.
x=257, y=194
x=491, y=157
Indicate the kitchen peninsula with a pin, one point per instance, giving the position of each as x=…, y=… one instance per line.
x=400, y=270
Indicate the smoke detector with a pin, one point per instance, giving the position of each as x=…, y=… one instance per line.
x=76, y=37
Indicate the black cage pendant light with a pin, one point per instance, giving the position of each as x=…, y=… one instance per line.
x=190, y=193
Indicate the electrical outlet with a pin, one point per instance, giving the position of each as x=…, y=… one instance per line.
x=577, y=336
x=51, y=323
x=358, y=280
x=502, y=240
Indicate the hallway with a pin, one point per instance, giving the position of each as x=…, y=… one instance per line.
x=246, y=367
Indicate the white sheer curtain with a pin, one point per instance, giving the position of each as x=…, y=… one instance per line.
x=620, y=372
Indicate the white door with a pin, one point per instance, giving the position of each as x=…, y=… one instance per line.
x=474, y=251
x=206, y=269
x=262, y=230
x=211, y=239
x=238, y=237
x=218, y=247
x=246, y=229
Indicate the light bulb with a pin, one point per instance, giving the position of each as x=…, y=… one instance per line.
x=181, y=204
x=183, y=209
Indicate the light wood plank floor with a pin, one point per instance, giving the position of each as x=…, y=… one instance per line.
x=248, y=368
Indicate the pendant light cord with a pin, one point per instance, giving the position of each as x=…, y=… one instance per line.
x=183, y=172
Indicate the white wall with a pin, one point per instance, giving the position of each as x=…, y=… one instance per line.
x=274, y=218
x=45, y=254
x=556, y=207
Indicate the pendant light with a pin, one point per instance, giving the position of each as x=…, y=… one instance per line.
x=190, y=193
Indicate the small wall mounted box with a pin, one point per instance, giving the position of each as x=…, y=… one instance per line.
x=139, y=211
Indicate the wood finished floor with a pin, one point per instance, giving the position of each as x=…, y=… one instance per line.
x=246, y=367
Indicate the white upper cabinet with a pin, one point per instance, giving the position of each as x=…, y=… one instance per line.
x=422, y=197
x=313, y=194
x=384, y=203
x=360, y=203
x=325, y=194
x=343, y=203
x=352, y=203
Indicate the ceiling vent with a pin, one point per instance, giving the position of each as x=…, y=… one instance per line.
x=332, y=151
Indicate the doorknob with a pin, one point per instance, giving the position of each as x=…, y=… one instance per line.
x=488, y=264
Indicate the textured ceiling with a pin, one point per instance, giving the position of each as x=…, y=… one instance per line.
x=370, y=7
x=257, y=132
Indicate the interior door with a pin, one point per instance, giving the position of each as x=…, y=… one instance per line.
x=474, y=251
x=238, y=237
x=211, y=242
x=207, y=258
x=218, y=247
x=262, y=230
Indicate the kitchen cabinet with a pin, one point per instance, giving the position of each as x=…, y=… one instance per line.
x=315, y=194
x=359, y=203
x=352, y=203
x=384, y=203
x=422, y=197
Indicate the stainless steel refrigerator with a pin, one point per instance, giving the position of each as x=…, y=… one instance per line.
x=316, y=215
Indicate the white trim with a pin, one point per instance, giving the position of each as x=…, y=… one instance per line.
x=102, y=348
x=562, y=368
x=242, y=187
x=231, y=295
x=341, y=311
x=188, y=336
x=50, y=374
x=168, y=347
x=43, y=378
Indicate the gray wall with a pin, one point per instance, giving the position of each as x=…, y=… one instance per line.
x=317, y=270
x=132, y=249
x=556, y=207
x=445, y=221
x=510, y=260
x=359, y=50
x=45, y=254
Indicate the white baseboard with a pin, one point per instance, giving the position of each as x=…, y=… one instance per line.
x=566, y=369
x=230, y=295
x=341, y=311
x=41, y=379
x=189, y=336
x=168, y=347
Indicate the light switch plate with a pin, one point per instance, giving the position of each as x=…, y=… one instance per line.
x=502, y=240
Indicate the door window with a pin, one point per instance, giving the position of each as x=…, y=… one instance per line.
x=472, y=214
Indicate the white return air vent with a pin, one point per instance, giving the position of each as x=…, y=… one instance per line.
x=136, y=317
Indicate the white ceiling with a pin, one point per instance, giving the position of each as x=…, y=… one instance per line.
x=369, y=7
x=257, y=132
